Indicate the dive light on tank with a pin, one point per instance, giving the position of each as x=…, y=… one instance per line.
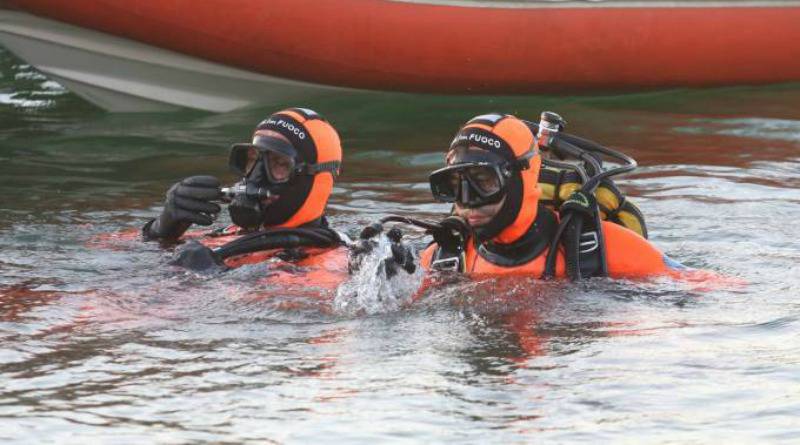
x=551, y=137
x=248, y=189
x=550, y=124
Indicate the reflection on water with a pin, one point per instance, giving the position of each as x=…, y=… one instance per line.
x=99, y=339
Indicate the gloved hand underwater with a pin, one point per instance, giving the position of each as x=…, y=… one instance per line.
x=401, y=253
x=363, y=247
x=188, y=201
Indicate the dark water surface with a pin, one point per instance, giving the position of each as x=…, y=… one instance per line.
x=100, y=341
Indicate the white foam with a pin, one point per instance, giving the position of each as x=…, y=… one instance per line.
x=370, y=291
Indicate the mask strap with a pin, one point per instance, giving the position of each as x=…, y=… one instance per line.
x=330, y=166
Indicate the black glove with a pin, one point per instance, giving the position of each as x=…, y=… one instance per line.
x=363, y=247
x=187, y=202
x=199, y=258
x=401, y=255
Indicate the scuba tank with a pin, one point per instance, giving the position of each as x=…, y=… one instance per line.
x=580, y=230
x=558, y=181
x=557, y=184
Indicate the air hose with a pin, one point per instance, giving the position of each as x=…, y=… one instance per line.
x=198, y=257
x=280, y=238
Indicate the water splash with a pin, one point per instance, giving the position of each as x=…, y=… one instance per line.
x=371, y=291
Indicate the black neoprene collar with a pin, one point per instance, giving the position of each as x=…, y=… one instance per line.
x=531, y=245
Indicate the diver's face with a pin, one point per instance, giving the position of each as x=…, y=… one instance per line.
x=280, y=166
x=479, y=216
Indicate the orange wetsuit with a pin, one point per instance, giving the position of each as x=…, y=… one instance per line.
x=628, y=255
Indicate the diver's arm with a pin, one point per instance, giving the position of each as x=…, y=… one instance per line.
x=631, y=256
x=188, y=202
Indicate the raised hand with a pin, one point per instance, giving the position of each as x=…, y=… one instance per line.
x=188, y=202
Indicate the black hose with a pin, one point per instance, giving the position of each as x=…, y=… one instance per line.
x=411, y=221
x=550, y=260
x=566, y=165
x=586, y=145
x=629, y=164
x=278, y=238
x=560, y=145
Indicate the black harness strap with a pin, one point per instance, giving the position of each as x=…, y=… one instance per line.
x=581, y=235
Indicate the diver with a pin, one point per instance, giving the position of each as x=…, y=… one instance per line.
x=278, y=208
x=499, y=224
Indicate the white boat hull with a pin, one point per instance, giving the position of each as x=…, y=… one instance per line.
x=121, y=75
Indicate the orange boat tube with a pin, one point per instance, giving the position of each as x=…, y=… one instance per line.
x=464, y=47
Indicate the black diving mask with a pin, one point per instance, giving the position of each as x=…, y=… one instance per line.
x=278, y=159
x=266, y=165
x=473, y=178
x=472, y=184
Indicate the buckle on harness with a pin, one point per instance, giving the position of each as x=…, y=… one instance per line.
x=446, y=264
x=589, y=242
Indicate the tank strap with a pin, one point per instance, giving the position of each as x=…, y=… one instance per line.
x=330, y=166
x=558, y=179
x=613, y=205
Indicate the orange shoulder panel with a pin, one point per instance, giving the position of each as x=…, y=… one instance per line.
x=629, y=255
